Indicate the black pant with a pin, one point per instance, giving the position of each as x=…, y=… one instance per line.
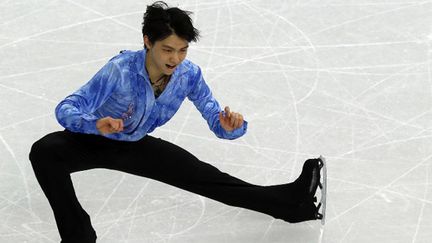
x=57, y=155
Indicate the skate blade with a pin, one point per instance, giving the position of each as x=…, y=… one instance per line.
x=323, y=200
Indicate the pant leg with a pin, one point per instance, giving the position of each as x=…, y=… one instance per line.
x=163, y=161
x=53, y=158
x=58, y=154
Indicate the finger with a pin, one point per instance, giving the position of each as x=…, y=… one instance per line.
x=227, y=112
x=119, y=125
x=237, y=122
x=234, y=124
x=111, y=128
x=114, y=125
x=233, y=119
x=240, y=120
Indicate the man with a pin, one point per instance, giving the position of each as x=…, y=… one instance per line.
x=108, y=120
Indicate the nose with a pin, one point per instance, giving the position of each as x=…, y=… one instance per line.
x=175, y=58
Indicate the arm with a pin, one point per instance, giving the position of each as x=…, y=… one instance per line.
x=209, y=108
x=75, y=112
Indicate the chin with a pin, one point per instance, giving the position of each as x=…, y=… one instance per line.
x=169, y=72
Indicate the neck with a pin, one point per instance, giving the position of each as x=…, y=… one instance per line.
x=152, y=71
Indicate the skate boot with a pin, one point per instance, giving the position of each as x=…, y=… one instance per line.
x=306, y=186
x=307, y=183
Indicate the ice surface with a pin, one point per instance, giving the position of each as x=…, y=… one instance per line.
x=350, y=80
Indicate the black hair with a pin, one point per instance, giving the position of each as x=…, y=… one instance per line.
x=160, y=21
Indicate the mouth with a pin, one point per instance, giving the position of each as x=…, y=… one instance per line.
x=171, y=67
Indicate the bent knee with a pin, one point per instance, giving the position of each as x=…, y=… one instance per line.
x=44, y=147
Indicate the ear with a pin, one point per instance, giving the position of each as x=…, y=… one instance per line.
x=147, y=42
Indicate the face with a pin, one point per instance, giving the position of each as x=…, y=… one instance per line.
x=165, y=55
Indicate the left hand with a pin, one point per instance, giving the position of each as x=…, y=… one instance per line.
x=231, y=120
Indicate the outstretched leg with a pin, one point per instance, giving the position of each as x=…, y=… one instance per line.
x=163, y=161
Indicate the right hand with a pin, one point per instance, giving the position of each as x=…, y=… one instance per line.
x=109, y=125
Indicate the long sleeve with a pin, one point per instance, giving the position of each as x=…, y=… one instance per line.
x=75, y=112
x=209, y=108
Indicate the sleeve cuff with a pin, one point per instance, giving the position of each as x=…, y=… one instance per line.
x=88, y=124
x=235, y=133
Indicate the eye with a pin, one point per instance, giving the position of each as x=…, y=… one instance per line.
x=167, y=50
